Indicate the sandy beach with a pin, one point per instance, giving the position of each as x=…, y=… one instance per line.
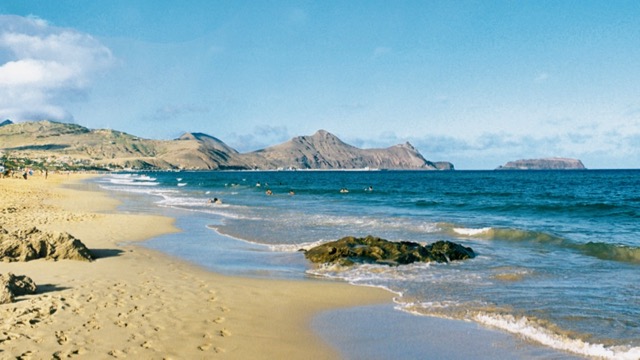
x=133, y=302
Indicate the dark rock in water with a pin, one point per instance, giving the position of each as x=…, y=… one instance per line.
x=31, y=244
x=445, y=251
x=373, y=250
x=15, y=285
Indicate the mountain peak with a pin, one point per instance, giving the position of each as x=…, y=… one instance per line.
x=324, y=150
x=208, y=140
x=323, y=133
x=408, y=145
x=6, y=122
x=193, y=150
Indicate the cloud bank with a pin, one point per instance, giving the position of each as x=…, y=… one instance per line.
x=597, y=149
x=43, y=68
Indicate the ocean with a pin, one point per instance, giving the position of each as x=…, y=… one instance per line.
x=558, y=252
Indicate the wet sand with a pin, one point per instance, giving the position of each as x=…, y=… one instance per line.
x=132, y=302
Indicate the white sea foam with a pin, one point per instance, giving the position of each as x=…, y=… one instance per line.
x=528, y=329
x=134, y=182
x=295, y=247
x=131, y=180
x=156, y=191
x=372, y=224
x=471, y=231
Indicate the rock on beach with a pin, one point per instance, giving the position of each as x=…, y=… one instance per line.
x=373, y=250
x=30, y=244
x=15, y=285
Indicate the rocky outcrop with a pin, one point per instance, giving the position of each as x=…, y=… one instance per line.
x=373, y=250
x=15, y=285
x=324, y=150
x=31, y=244
x=444, y=165
x=110, y=149
x=543, y=164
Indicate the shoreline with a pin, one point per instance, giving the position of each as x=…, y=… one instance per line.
x=137, y=302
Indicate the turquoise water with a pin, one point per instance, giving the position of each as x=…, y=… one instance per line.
x=558, y=252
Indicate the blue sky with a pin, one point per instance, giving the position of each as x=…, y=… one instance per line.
x=477, y=83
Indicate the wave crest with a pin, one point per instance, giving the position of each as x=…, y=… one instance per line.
x=541, y=333
x=615, y=252
x=600, y=250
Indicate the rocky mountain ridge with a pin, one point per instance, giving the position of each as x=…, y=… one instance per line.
x=54, y=142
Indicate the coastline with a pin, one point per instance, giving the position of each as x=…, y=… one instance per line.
x=139, y=303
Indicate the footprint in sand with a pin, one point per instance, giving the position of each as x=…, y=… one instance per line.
x=122, y=324
x=25, y=356
x=92, y=324
x=117, y=353
x=65, y=355
x=225, y=333
x=61, y=338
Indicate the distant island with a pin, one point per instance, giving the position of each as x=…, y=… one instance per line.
x=49, y=144
x=555, y=163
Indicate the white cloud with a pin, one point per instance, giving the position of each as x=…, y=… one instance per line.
x=44, y=67
x=596, y=149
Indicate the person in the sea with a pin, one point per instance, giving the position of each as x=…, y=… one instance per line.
x=291, y=192
x=269, y=192
x=344, y=190
x=215, y=201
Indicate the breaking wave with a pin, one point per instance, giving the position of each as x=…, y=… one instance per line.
x=536, y=331
x=600, y=250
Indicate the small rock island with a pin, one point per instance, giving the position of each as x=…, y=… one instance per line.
x=555, y=163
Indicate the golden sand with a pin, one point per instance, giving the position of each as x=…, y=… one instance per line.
x=136, y=303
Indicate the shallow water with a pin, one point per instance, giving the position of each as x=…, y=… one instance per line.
x=558, y=252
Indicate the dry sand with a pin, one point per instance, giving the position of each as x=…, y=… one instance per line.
x=136, y=303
